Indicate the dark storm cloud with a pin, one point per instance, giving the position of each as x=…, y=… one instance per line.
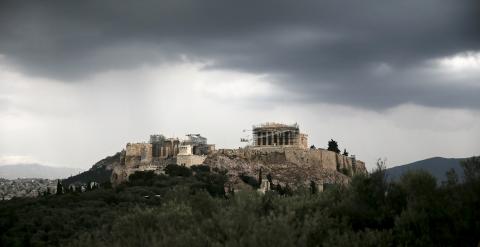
x=324, y=50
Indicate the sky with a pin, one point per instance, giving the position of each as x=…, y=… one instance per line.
x=386, y=79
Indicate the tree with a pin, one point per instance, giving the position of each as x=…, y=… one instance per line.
x=200, y=168
x=47, y=192
x=333, y=146
x=270, y=180
x=59, y=188
x=105, y=185
x=78, y=189
x=260, y=175
x=345, y=153
x=88, y=187
x=313, y=187
x=142, y=178
x=174, y=170
x=452, y=178
x=471, y=168
x=94, y=186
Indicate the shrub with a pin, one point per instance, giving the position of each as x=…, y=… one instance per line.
x=176, y=170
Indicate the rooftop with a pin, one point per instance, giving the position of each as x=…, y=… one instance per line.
x=275, y=125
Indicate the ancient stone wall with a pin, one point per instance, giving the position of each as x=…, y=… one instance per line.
x=190, y=160
x=136, y=157
x=303, y=157
x=139, y=151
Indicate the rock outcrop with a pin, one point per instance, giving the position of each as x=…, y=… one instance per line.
x=131, y=163
x=100, y=172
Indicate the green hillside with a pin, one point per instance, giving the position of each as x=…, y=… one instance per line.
x=100, y=172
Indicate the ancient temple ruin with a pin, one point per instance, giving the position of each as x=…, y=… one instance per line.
x=276, y=134
x=193, y=150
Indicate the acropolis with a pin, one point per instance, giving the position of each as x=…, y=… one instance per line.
x=279, y=148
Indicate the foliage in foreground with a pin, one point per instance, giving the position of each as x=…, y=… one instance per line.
x=189, y=208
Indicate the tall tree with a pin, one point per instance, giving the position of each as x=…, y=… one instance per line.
x=471, y=168
x=89, y=186
x=260, y=177
x=59, y=188
x=78, y=189
x=333, y=146
x=313, y=187
x=452, y=178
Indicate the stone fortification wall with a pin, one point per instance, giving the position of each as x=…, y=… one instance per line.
x=304, y=157
x=130, y=165
x=137, y=157
x=190, y=160
x=139, y=151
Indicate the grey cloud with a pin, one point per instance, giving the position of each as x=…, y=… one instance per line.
x=324, y=50
x=4, y=104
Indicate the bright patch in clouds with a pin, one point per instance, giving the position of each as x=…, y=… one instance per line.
x=235, y=86
x=16, y=159
x=459, y=69
x=465, y=61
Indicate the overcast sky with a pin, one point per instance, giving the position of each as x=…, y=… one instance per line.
x=394, y=79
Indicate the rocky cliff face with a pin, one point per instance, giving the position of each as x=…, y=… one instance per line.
x=129, y=163
x=100, y=172
x=292, y=166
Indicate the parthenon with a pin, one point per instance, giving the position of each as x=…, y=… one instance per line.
x=276, y=134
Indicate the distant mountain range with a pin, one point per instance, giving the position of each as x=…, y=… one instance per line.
x=100, y=172
x=36, y=171
x=437, y=166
